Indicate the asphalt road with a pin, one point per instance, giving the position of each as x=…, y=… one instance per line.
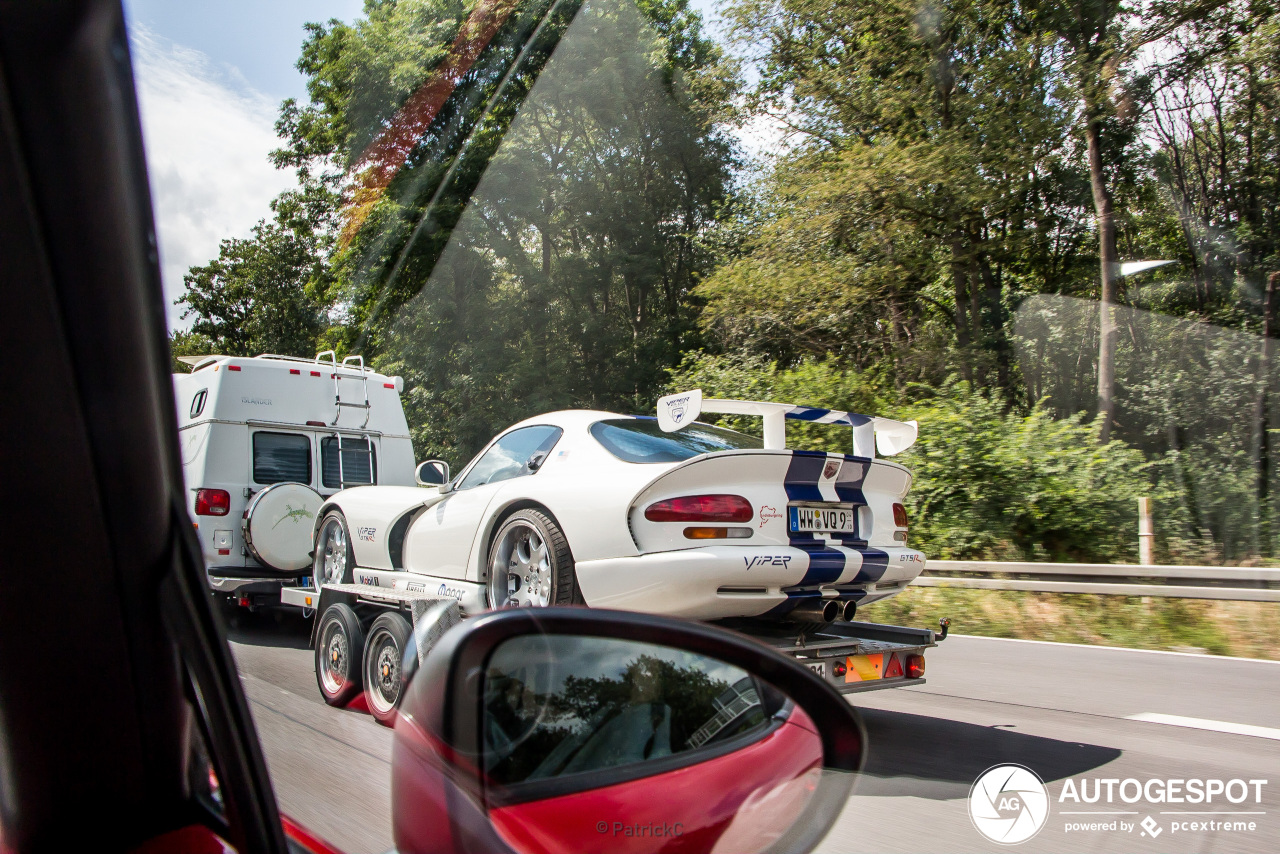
x=1063, y=711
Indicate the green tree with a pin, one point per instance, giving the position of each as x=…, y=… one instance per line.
x=929, y=188
x=263, y=294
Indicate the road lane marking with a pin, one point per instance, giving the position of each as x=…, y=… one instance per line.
x=1201, y=723
x=1122, y=649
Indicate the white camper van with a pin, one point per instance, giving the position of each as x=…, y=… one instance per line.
x=264, y=441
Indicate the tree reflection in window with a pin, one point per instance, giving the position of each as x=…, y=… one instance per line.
x=642, y=703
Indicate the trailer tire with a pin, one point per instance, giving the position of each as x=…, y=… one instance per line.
x=384, y=672
x=334, y=558
x=339, y=653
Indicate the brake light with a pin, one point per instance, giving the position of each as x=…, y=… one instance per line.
x=701, y=508
x=213, y=502
x=915, y=666
x=899, y=515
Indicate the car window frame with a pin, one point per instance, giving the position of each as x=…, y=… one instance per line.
x=460, y=480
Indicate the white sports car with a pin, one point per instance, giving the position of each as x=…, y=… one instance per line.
x=664, y=515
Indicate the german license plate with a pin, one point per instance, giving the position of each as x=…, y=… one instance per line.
x=837, y=518
x=818, y=667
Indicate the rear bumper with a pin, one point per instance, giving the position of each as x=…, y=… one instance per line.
x=234, y=579
x=717, y=582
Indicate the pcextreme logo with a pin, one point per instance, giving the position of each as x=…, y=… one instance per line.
x=1009, y=804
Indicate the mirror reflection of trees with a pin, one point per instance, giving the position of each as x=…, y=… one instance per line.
x=541, y=721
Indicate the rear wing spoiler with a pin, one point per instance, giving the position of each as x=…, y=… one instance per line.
x=889, y=437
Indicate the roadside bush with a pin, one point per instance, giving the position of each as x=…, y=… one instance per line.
x=1004, y=486
x=988, y=484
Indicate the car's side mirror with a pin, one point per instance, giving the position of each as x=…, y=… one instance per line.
x=576, y=729
x=432, y=473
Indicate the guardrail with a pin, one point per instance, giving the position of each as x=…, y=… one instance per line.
x=1241, y=583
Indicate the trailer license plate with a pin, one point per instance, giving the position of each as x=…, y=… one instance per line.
x=839, y=519
x=818, y=667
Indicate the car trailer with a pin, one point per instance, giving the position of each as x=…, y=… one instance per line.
x=369, y=640
x=851, y=656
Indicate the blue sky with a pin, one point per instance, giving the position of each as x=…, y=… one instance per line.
x=256, y=41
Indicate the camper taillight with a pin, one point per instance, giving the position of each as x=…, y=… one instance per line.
x=213, y=502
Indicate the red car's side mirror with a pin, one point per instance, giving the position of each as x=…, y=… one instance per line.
x=573, y=729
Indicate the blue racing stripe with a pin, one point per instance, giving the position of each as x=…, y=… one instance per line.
x=875, y=564
x=825, y=564
x=803, y=473
x=853, y=474
x=813, y=413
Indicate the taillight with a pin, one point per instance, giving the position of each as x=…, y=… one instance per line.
x=213, y=502
x=915, y=666
x=701, y=508
x=899, y=515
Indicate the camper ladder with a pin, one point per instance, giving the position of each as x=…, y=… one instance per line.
x=343, y=450
x=355, y=363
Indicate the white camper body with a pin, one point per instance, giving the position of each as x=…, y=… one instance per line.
x=248, y=424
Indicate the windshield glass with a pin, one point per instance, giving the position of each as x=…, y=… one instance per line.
x=641, y=440
x=1046, y=233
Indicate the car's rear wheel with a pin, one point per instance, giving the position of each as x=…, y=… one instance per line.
x=339, y=650
x=530, y=564
x=383, y=660
x=334, y=558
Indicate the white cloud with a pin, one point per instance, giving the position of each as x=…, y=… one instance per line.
x=207, y=136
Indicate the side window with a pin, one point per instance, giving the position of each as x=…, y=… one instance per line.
x=281, y=457
x=509, y=456
x=359, y=459
x=197, y=402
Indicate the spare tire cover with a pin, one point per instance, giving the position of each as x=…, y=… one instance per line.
x=278, y=525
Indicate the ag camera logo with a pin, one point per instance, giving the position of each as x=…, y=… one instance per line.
x=1009, y=804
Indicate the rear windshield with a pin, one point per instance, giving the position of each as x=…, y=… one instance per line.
x=641, y=440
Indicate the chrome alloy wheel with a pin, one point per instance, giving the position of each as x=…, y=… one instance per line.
x=336, y=650
x=520, y=570
x=382, y=676
x=331, y=555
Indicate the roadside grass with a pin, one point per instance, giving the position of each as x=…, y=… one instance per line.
x=1247, y=629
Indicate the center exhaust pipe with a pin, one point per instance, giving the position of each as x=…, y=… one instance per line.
x=815, y=611
x=848, y=610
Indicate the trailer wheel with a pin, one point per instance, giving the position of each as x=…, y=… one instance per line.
x=383, y=665
x=334, y=557
x=530, y=564
x=339, y=649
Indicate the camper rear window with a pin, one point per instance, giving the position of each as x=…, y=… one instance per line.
x=281, y=457
x=359, y=462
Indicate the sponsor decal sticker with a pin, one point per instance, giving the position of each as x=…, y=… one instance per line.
x=767, y=513
x=450, y=591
